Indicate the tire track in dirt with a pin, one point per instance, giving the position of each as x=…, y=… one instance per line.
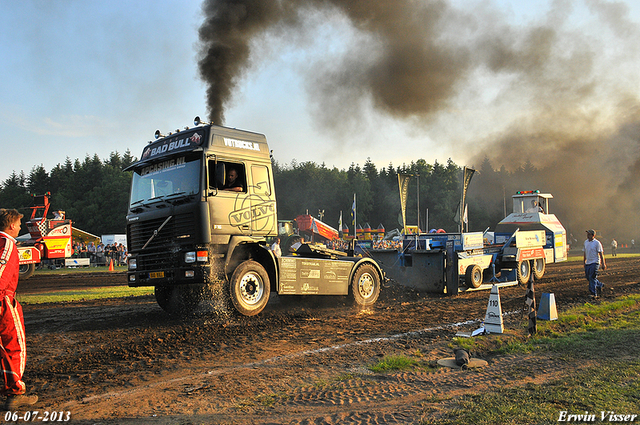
x=418, y=390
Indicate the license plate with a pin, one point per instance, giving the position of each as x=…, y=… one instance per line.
x=156, y=275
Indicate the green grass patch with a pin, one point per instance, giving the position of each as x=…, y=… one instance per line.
x=614, y=386
x=607, y=329
x=590, y=329
x=608, y=332
x=391, y=363
x=83, y=295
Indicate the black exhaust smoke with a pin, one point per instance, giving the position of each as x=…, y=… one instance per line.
x=578, y=101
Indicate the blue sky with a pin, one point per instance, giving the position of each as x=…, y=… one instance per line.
x=87, y=77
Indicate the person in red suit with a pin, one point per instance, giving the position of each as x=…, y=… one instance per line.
x=13, y=350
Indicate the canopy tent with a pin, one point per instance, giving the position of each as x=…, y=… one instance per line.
x=78, y=235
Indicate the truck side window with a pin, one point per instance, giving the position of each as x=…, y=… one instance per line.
x=235, y=178
x=260, y=178
x=229, y=176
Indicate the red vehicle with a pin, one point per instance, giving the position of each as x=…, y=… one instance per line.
x=50, y=238
x=314, y=227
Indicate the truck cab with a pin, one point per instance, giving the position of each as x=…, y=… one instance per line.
x=186, y=217
x=202, y=206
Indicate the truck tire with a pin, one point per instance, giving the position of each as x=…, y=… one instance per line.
x=524, y=271
x=179, y=301
x=163, y=297
x=26, y=270
x=365, y=285
x=539, y=265
x=250, y=288
x=473, y=276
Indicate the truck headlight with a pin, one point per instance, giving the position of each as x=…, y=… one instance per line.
x=190, y=257
x=132, y=264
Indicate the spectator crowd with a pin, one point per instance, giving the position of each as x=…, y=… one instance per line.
x=101, y=254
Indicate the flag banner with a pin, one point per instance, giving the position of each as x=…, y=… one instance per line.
x=353, y=211
x=403, y=184
x=340, y=222
x=465, y=216
x=467, y=174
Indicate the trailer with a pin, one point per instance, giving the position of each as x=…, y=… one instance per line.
x=439, y=262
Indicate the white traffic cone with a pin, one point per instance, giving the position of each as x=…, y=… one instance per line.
x=547, y=309
x=493, y=322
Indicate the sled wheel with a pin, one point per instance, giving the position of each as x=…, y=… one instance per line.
x=26, y=270
x=473, y=276
x=365, y=285
x=524, y=271
x=538, y=268
x=250, y=288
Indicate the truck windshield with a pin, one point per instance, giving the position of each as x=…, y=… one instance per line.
x=159, y=180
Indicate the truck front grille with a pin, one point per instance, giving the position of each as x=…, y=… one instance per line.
x=163, y=250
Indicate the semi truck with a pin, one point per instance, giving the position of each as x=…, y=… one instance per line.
x=202, y=208
x=522, y=244
x=50, y=238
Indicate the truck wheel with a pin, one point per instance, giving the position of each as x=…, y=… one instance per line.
x=524, y=271
x=365, y=285
x=473, y=276
x=180, y=301
x=250, y=288
x=26, y=270
x=538, y=268
x=163, y=297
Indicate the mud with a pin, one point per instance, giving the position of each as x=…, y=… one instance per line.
x=301, y=361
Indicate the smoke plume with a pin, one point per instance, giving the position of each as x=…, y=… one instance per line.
x=576, y=100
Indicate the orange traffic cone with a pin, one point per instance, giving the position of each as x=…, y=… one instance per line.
x=111, y=265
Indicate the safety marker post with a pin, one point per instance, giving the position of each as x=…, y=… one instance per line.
x=111, y=268
x=530, y=305
x=547, y=309
x=493, y=322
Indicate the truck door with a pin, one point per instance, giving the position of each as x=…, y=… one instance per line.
x=263, y=205
x=229, y=204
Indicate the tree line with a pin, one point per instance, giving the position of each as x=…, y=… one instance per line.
x=94, y=192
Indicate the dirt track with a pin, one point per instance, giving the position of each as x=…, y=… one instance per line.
x=126, y=361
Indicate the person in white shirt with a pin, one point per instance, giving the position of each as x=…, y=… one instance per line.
x=276, y=248
x=593, y=259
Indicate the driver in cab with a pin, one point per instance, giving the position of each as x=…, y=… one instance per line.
x=233, y=183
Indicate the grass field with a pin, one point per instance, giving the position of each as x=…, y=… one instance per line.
x=81, y=294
